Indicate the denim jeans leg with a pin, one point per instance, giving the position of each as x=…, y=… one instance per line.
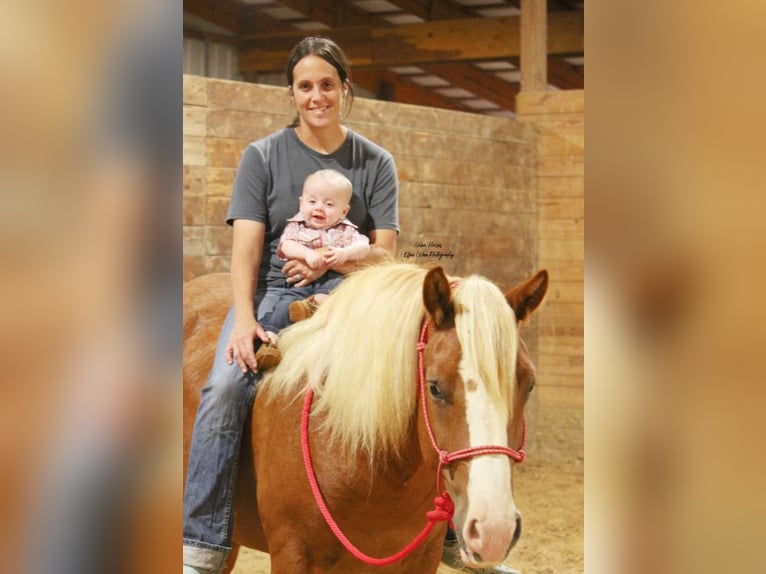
x=225, y=403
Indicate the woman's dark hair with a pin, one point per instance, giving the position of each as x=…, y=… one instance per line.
x=329, y=51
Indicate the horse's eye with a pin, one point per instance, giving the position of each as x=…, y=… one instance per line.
x=436, y=392
x=530, y=386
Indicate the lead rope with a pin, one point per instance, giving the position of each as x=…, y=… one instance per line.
x=443, y=511
x=444, y=508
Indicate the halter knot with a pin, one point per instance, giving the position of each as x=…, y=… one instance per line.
x=444, y=509
x=444, y=457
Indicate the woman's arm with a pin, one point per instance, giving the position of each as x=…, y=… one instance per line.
x=247, y=247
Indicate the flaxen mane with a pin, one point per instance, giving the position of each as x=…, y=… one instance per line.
x=358, y=352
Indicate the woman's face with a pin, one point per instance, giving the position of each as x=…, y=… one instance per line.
x=317, y=92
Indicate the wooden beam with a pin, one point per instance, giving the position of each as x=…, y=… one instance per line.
x=564, y=75
x=224, y=13
x=483, y=84
x=392, y=87
x=211, y=36
x=534, y=29
x=422, y=43
x=334, y=13
x=432, y=9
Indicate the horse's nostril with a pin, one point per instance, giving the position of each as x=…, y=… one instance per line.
x=476, y=557
x=517, y=532
x=473, y=531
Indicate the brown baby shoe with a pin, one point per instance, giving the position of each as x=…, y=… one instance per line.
x=267, y=356
x=300, y=310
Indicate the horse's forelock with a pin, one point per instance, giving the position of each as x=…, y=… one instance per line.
x=487, y=332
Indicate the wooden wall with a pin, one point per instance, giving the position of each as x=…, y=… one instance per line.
x=560, y=196
x=466, y=181
x=488, y=194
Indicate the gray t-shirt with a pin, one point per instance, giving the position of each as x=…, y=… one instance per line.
x=270, y=179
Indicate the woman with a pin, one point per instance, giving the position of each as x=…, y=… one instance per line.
x=266, y=190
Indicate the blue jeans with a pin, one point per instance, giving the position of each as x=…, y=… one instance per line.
x=225, y=402
x=273, y=312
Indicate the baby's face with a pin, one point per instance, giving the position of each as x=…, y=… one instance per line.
x=322, y=205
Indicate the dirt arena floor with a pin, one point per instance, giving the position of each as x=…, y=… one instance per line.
x=549, y=494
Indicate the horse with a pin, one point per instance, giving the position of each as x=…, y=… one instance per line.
x=403, y=398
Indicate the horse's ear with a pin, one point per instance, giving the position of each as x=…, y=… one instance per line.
x=438, y=298
x=526, y=297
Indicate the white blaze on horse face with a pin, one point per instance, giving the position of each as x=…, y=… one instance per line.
x=491, y=515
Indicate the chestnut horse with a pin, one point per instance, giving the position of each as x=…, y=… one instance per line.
x=373, y=437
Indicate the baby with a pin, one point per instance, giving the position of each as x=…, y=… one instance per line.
x=319, y=233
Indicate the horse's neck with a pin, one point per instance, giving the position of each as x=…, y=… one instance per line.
x=397, y=473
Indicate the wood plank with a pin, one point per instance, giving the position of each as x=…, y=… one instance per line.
x=225, y=152
x=557, y=396
x=561, y=207
x=490, y=199
x=563, y=123
x=560, y=250
x=561, y=165
x=240, y=124
x=534, y=28
x=194, y=120
x=565, y=292
x=555, y=144
x=552, y=187
x=194, y=150
x=220, y=180
x=562, y=375
x=566, y=229
x=515, y=228
x=422, y=43
x=554, y=102
x=194, y=180
x=563, y=345
x=559, y=313
x=564, y=271
x=194, y=90
x=430, y=170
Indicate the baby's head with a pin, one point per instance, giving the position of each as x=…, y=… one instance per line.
x=326, y=198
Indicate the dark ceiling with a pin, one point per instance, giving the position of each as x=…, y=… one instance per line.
x=453, y=54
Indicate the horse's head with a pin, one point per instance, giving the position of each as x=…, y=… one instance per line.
x=477, y=376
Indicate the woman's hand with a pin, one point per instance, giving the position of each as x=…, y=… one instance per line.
x=240, y=347
x=313, y=259
x=298, y=274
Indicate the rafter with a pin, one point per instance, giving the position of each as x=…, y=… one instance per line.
x=423, y=43
x=432, y=9
x=224, y=13
x=564, y=75
x=482, y=84
x=334, y=13
x=392, y=87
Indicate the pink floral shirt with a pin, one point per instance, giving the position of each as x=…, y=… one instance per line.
x=342, y=234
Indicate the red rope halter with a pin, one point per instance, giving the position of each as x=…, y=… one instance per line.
x=444, y=507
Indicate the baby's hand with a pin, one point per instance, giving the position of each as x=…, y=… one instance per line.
x=336, y=256
x=314, y=259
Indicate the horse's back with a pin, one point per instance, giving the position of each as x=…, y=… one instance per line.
x=206, y=302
